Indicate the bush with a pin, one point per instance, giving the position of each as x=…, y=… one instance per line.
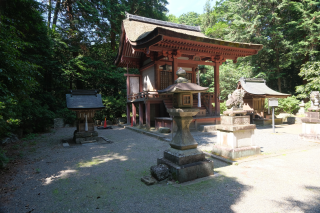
x=288, y=105
x=223, y=107
x=68, y=115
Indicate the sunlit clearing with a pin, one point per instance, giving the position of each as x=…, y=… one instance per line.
x=101, y=159
x=63, y=174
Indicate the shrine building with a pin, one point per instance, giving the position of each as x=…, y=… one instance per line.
x=158, y=49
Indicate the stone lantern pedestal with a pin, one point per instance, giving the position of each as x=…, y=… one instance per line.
x=184, y=160
x=311, y=121
x=234, y=139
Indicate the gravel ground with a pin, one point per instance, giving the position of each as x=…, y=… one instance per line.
x=106, y=178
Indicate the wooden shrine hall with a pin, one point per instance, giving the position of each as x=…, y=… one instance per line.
x=158, y=49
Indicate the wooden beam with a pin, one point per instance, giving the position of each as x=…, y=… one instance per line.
x=128, y=113
x=134, y=114
x=148, y=122
x=174, y=69
x=192, y=63
x=216, y=89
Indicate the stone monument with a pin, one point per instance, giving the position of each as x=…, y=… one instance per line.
x=311, y=121
x=184, y=160
x=85, y=103
x=301, y=111
x=234, y=139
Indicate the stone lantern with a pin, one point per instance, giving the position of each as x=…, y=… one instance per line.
x=184, y=160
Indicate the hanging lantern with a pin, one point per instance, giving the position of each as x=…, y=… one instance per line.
x=165, y=67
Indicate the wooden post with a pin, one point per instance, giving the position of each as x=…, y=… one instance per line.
x=128, y=113
x=216, y=89
x=148, y=115
x=194, y=79
x=174, y=69
x=140, y=114
x=134, y=114
x=157, y=76
x=210, y=104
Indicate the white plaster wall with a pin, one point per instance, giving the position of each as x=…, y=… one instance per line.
x=134, y=85
x=148, y=79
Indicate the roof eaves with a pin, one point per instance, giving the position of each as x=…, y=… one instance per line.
x=162, y=23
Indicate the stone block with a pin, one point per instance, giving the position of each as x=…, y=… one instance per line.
x=235, y=120
x=164, y=130
x=207, y=128
x=291, y=120
x=283, y=116
x=188, y=172
x=235, y=139
x=160, y=172
x=310, y=137
x=148, y=180
x=80, y=140
x=237, y=152
x=232, y=128
x=91, y=138
x=266, y=122
x=85, y=134
x=182, y=157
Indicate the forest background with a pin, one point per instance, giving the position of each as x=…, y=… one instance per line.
x=50, y=47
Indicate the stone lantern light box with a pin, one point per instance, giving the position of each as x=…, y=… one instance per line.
x=85, y=103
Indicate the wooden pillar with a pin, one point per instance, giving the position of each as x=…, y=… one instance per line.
x=128, y=113
x=157, y=76
x=216, y=89
x=210, y=104
x=140, y=114
x=140, y=84
x=174, y=69
x=134, y=114
x=148, y=122
x=194, y=79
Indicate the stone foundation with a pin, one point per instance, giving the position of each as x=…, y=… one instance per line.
x=234, y=137
x=186, y=165
x=84, y=137
x=237, y=152
x=311, y=127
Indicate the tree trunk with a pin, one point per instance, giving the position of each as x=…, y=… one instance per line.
x=49, y=14
x=55, y=15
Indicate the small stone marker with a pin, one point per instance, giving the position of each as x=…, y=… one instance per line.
x=148, y=180
x=65, y=145
x=160, y=172
x=164, y=130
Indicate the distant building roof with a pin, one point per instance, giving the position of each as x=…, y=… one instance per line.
x=257, y=86
x=84, y=99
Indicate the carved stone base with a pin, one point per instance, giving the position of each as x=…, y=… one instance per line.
x=237, y=152
x=186, y=165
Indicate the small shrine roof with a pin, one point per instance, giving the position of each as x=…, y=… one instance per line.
x=183, y=87
x=257, y=86
x=141, y=29
x=84, y=99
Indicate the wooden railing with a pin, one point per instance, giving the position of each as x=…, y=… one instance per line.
x=146, y=95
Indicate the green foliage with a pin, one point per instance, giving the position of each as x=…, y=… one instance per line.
x=286, y=105
x=69, y=117
x=223, y=107
x=230, y=74
x=310, y=72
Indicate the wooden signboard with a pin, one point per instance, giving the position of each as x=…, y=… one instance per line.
x=273, y=102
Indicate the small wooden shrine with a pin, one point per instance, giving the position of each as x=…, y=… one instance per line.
x=85, y=103
x=157, y=48
x=256, y=91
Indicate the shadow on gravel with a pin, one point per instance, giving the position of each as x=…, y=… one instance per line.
x=106, y=178
x=312, y=205
x=112, y=183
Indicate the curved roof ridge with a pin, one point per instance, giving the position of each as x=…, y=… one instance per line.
x=162, y=23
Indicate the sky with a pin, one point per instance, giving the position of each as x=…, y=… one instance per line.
x=178, y=7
